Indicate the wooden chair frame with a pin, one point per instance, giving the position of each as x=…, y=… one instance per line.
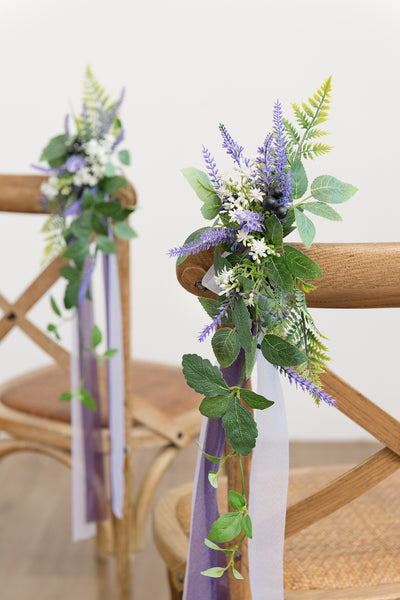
x=369, y=277
x=20, y=194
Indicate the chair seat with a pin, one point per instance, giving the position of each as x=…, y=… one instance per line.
x=161, y=386
x=357, y=547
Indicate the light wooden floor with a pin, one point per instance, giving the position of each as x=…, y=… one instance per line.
x=37, y=557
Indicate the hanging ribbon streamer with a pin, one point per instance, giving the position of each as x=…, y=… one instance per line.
x=88, y=482
x=115, y=379
x=268, y=488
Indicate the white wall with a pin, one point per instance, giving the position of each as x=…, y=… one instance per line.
x=187, y=66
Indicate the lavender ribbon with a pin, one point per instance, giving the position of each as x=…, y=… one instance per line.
x=88, y=481
x=115, y=381
x=205, y=510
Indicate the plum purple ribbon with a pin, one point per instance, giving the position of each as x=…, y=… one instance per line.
x=89, y=490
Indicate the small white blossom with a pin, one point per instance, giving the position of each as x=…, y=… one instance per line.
x=224, y=280
x=250, y=300
x=85, y=177
x=259, y=249
x=256, y=195
x=243, y=237
x=50, y=188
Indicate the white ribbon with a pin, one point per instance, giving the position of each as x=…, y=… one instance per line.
x=268, y=488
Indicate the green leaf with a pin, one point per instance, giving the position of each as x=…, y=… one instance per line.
x=213, y=459
x=87, y=199
x=191, y=238
x=300, y=182
x=236, y=573
x=81, y=228
x=236, y=500
x=124, y=157
x=69, y=272
x=213, y=572
x=280, y=352
x=301, y=265
x=54, y=306
x=246, y=283
x=305, y=227
x=109, y=209
x=51, y=327
x=214, y=406
x=110, y=353
x=54, y=149
x=213, y=546
x=202, y=376
x=243, y=323
x=279, y=272
x=211, y=206
x=110, y=185
x=77, y=251
x=240, y=428
x=273, y=230
x=226, y=528
x=250, y=356
x=329, y=189
x=98, y=224
x=255, y=400
x=65, y=397
x=71, y=293
x=104, y=244
x=226, y=346
x=209, y=305
x=87, y=399
x=109, y=170
x=213, y=478
x=247, y=527
x=199, y=182
x=123, y=230
x=95, y=336
x=322, y=210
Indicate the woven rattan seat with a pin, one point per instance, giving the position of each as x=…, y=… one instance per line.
x=163, y=387
x=356, y=547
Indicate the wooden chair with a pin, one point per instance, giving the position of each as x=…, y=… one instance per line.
x=353, y=553
x=161, y=411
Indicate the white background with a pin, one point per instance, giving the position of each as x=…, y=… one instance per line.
x=188, y=66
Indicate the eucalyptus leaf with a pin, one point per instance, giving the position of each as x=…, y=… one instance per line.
x=105, y=244
x=109, y=170
x=124, y=157
x=322, y=210
x=329, y=189
x=199, y=182
x=305, y=227
x=202, y=376
x=211, y=206
x=54, y=149
x=280, y=352
x=300, y=182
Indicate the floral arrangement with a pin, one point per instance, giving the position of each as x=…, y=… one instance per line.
x=85, y=168
x=262, y=282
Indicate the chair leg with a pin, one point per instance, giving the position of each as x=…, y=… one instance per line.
x=122, y=537
x=146, y=493
x=174, y=593
x=104, y=539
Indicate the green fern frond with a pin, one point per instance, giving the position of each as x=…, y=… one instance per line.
x=301, y=117
x=315, y=133
x=313, y=150
x=94, y=95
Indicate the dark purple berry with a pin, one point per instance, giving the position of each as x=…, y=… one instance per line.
x=276, y=192
x=281, y=212
x=269, y=203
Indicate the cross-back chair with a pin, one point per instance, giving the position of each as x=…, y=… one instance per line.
x=160, y=412
x=353, y=553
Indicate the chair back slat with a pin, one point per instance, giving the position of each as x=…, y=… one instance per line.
x=354, y=275
x=20, y=193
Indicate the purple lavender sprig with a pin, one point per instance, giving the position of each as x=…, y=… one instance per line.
x=216, y=322
x=212, y=170
x=250, y=221
x=283, y=179
x=265, y=161
x=209, y=238
x=232, y=148
x=307, y=386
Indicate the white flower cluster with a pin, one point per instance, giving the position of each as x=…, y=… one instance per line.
x=50, y=188
x=98, y=153
x=225, y=281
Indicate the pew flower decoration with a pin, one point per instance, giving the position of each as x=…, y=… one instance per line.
x=85, y=168
x=262, y=282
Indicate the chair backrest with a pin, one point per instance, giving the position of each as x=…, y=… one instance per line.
x=21, y=194
x=354, y=276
